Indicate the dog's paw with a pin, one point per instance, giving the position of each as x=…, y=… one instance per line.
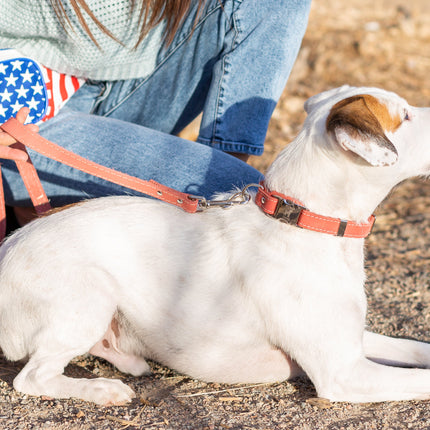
x=108, y=392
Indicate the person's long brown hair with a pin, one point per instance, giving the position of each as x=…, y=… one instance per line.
x=152, y=12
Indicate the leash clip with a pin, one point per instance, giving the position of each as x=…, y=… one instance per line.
x=242, y=197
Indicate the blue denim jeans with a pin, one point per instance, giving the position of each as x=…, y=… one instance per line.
x=231, y=63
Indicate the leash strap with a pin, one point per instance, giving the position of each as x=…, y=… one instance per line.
x=291, y=211
x=18, y=153
x=34, y=141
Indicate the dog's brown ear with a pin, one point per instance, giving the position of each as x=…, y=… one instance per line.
x=358, y=124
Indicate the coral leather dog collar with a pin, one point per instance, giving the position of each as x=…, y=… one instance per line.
x=291, y=211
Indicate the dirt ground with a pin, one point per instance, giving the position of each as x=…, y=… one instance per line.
x=381, y=43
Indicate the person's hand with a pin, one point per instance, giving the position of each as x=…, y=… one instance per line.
x=5, y=139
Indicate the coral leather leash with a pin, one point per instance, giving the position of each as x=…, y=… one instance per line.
x=34, y=141
x=273, y=204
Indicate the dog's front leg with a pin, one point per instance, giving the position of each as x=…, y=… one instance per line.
x=330, y=348
x=396, y=352
x=367, y=381
x=344, y=373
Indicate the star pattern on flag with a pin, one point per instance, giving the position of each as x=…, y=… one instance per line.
x=22, y=84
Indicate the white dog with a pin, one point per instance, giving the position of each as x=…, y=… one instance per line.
x=227, y=295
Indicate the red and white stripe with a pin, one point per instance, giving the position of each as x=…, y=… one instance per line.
x=60, y=88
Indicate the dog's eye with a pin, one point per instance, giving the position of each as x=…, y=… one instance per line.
x=406, y=116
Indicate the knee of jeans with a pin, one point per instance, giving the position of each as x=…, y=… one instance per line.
x=281, y=20
x=282, y=8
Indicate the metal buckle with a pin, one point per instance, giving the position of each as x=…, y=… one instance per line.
x=287, y=211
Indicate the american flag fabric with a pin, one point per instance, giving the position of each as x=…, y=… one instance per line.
x=25, y=82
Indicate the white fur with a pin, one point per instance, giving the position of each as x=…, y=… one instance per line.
x=223, y=295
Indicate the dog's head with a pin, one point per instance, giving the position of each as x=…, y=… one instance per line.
x=356, y=144
x=375, y=126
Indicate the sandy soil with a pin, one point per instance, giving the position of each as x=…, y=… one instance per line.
x=361, y=42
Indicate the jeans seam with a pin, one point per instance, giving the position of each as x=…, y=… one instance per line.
x=168, y=56
x=225, y=64
x=231, y=146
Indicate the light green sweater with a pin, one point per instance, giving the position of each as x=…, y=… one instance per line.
x=32, y=27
